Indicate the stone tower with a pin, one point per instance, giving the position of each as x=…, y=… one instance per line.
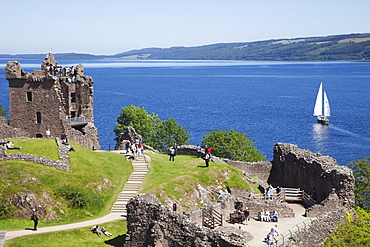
x=56, y=98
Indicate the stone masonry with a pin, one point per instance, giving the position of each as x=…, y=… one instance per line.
x=150, y=223
x=316, y=174
x=54, y=98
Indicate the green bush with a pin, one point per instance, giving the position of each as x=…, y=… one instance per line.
x=4, y=210
x=76, y=197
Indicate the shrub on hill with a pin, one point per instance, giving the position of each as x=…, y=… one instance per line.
x=231, y=144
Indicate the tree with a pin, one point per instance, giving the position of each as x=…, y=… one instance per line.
x=138, y=118
x=3, y=112
x=232, y=144
x=168, y=132
x=361, y=172
x=155, y=132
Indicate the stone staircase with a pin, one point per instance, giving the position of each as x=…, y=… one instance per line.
x=132, y=185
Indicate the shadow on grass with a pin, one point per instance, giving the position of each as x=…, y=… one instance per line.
x=203, y=166
x=118, y=241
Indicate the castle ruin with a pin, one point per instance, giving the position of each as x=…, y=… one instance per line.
x=55, y=98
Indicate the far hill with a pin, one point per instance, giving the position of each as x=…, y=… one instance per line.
x=334, y=47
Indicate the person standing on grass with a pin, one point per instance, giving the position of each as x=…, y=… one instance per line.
x=172, y=153
x=207, y=158
x=35, y=218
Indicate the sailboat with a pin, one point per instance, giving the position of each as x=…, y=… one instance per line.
x=322, y=107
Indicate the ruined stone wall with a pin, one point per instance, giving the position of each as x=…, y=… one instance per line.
x=317, y=175
x=317, y=232
x=44, y=100
x=7, y=132
x=260, y=169
x=150, y=223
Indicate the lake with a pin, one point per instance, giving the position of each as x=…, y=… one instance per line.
x=269, y=101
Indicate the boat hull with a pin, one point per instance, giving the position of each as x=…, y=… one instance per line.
x=323, y=120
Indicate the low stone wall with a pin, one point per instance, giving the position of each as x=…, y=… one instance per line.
x=38, y=160
x=150, y=223
x=63, y=164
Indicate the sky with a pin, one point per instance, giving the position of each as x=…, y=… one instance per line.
x=107, y=27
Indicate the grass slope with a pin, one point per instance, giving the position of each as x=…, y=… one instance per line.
x=96, y=178
x=177, y=180
x=165, y=179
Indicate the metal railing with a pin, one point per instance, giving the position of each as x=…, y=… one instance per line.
x=283, y=238
x=77, y=121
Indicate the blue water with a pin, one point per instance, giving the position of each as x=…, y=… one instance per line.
x=269, y=101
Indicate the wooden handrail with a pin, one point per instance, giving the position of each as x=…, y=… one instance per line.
x=211, y=218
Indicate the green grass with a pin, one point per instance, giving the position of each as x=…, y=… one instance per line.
x=178, y=179
x=175, y=180
x=81, y=237
x=40, y=147
x=98, y=176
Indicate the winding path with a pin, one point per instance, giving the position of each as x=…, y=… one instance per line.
x=118, y=210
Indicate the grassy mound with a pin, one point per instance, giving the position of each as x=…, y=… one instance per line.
x=177, y=180
x=87, y=192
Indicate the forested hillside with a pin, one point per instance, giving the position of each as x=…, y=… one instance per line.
x=338, y=47
x=335, y=47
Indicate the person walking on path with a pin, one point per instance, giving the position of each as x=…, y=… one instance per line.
x=274, y=232
x=35, y=218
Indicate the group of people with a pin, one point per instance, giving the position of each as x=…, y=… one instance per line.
x=266, y=215
x=100, y=231
x=61, y=71
x=135, y=148
x=172, y=152
x=243, y=216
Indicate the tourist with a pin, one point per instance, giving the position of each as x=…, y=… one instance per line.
x=199, y=151
x=63, y=137
x=172, y=153
x=127, y=146
x=35, y=218
x=133, y=150
x=274, y=216
x=140, y=150
x=246, y=215
x=268, y=239
x=106, y=232
x=267, y=215
x=10, y=145
x=96, y=229
x=137, y=142
x=278, y=189
x=48, y=133
x=274, y=232
x=207, y=158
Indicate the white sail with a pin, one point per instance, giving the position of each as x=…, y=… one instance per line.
x=317, y=111
x=326, y=106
